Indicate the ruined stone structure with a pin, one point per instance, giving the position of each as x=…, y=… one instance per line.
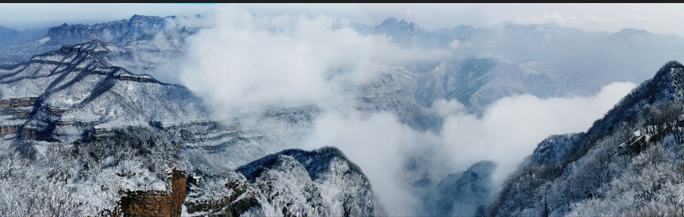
x=152, y=203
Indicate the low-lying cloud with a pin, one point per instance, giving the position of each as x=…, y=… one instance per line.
x=375, y=144
x=511, y=128
x=508, y=131
x=246, y=62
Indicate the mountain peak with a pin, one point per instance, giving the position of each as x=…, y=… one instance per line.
x=668, y=71
x=390, y=20
x=633, y=36
x=394, y=24
x=666, y=85
x=632, y=31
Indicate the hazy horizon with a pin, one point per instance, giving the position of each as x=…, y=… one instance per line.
x=401, y=107
x=655, y=18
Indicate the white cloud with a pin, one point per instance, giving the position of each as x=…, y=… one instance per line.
x=512, y=127
x=454, y=44
x=416, y=14
x=545, y=17
x=639, y=19
x=508, y=132
x=445, y=108
x=376, y=144
x=247, y=62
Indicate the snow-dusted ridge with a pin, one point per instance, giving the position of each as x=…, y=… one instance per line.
x=106, y=140
x=321, y=182
x=627, y=163
x=77, y=84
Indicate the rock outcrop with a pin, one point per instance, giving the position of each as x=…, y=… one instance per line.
x=288, y=183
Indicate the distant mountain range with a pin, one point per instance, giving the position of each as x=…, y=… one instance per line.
x=18, y=46
x=78, y=110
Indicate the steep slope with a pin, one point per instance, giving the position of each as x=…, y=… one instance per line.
x=292, y=182
x=625, y=161
x=67, y=93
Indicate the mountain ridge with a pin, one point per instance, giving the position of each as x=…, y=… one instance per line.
x=598, y=166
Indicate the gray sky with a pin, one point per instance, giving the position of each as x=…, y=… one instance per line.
x=656, y=18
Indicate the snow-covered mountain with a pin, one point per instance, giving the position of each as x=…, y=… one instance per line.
x=407, y=34
x=577, y=61
x=288, y=183
x=78, y=119
x=627, y=163
x=67, y=93
x=16, y=47
x=84, y=120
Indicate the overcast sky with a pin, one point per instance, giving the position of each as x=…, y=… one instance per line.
x=656, y=18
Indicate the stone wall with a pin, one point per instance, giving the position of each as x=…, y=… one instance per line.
x=4, y=130
x=10, y=103
x=152, y=203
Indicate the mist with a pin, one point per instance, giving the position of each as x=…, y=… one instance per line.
x=511, y=127
x=508, y=132
x=245, y=63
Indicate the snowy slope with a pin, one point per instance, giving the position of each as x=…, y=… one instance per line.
x=76, y=90
x=627, y=163
x=292, y=182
